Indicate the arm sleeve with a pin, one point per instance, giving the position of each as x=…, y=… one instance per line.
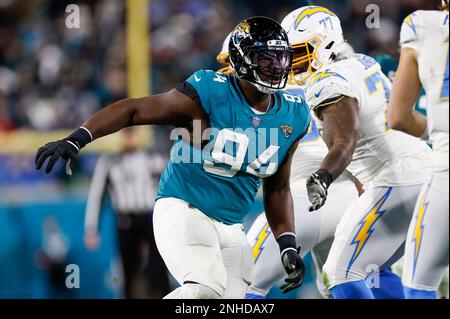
x=96, y=192
x=411, y=31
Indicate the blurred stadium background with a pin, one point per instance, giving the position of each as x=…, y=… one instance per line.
x=52, y=78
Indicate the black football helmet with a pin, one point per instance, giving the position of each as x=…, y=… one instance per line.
x=261, y=54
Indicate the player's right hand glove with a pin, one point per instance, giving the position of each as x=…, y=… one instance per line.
x=67, y=149
x=317, y=187
x=292, y=263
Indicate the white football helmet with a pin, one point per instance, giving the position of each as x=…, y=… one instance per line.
x=315, y=34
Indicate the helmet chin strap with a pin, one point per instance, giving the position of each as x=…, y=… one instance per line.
x=264, y=89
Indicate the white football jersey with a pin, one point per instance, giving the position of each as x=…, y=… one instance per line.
x=310, y=151
x=427, y=33
x=379, y=148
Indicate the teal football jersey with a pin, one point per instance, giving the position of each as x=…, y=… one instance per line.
x=222, y=178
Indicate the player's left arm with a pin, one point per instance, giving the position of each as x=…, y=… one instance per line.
x=279, y=208
x=340, y=133
x=405, y=92
x=278, y=199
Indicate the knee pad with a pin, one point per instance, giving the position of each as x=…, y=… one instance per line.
x=193, y=291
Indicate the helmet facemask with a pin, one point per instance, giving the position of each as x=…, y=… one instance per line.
x=270, y=68
x=305, y=62
x=317, y=38
x=260, y=53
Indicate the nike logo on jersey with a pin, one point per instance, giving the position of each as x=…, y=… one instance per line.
x=317, y=94
x=197, y=79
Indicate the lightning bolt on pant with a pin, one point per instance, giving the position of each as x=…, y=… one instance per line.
x=314, y=231
x=371, y=235
x=427, y=249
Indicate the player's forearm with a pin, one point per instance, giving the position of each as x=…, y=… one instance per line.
x=405, y=92
x=113, y=118
x=338, y=158
x=412, y=123
x=279, y=209
x=340, y=133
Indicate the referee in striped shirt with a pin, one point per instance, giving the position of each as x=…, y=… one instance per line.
x=131, y=179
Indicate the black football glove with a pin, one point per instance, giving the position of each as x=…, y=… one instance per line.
x=317, y=186
x=295, y=268
x=292, y=263
x=67, y=149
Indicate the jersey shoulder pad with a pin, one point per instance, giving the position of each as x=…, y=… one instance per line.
x=328, y=86
x=208, y=85
x=412, y=30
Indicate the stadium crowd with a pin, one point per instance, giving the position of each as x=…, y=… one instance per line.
x=54, y=77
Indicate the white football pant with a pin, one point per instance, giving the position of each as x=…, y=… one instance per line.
x=201, y=250
x=371, y=235
x=426, y=252
x=314, y=232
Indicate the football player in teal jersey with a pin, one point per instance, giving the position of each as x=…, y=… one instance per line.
x=234, y=132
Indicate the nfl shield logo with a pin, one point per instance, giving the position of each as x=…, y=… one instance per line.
x=256, y=121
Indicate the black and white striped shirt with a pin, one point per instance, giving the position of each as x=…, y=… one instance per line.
x=131, y=179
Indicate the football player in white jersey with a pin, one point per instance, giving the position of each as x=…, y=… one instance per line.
x=424, y=62
x=315, y=231
x=349, y=97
